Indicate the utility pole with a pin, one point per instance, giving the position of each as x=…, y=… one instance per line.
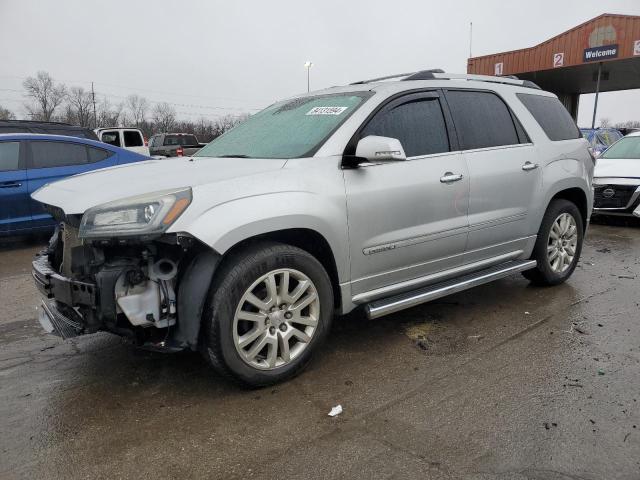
x=93, y=96
x=470, y=39
x=595, y=105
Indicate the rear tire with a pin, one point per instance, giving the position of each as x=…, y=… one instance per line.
x=269, y=309
x=559, y=244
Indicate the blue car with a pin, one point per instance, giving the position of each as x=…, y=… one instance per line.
x=29, y=161
x=600, y=138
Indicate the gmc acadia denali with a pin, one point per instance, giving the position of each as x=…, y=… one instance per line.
x=381, y=195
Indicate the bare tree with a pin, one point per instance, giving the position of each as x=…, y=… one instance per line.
x=137, y=107
x=164, y=117
x=605, y=122
x=6, y=114
x=45, y=95
x=109, y=115
x=79, y=107
x=628, y=124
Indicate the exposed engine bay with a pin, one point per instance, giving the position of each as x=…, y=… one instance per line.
x=127, y=286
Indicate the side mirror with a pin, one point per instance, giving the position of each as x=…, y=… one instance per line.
x=380, y=149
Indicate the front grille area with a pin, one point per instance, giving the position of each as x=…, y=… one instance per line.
x=613, y=196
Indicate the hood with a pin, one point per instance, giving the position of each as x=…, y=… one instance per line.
x=617, y=167
x=76, y=194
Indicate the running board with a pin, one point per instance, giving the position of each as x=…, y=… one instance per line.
x=385, y=306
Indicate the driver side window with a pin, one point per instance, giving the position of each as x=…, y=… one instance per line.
x=418, y=124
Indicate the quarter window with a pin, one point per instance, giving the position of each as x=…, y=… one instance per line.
x=418, y=124
x=9, y=156
x=57, y=154
x=98, y=154
x=551, y=115
x=482, y=120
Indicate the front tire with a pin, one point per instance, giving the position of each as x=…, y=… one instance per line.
x=559, y=244
x=270, y=307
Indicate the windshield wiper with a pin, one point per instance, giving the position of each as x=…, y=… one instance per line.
x=234, y=156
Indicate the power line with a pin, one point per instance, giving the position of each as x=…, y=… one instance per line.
x=162, y=92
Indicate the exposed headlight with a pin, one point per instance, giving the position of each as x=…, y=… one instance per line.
x=147, y=214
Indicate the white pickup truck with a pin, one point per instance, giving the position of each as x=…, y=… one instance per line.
x=127, y=138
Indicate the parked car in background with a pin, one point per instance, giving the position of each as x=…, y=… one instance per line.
x=174, y=145
x=627, y=130
x=128, y=138
x=379, y=195
x=617, y=178
x=29, y=161
x=600, y=138
x=51, y=128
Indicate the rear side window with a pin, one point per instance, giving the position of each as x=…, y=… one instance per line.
x=418, y=124
x=482, y=120
x=112, y=138
x=98, y=154
x=9, y=156
x=551, y=115
x=57, y=154
x=132, y=138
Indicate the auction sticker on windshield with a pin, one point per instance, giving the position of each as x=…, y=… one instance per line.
x=326, y=110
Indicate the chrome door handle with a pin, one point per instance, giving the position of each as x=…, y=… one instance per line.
x=529, y=166
x=10, y=185
x=449, y=177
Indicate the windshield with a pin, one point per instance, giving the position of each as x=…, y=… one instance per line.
x=291, y=129
x=628, y=147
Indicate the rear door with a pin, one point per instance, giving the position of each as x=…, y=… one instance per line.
x=14, y=197
x=505, y=176
x=407, y=219
x=49, y=161
x=134, y=141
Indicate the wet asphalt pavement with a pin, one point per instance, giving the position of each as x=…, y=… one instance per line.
x=505, y=381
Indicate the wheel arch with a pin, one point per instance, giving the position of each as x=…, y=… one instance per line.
x=305, y=239
x=578, y=197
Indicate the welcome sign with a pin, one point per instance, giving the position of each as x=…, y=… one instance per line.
x=596, y=54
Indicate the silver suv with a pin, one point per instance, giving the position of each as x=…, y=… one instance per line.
x=381, y=195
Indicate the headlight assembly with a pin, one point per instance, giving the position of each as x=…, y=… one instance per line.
x=147, y=214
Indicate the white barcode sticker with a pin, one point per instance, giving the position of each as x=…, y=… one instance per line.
x=326, y=110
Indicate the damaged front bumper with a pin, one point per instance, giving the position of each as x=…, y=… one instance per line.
x=151, y=292
x=57, y=314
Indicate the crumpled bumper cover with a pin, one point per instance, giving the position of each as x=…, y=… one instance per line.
x=61, y=294
x=65, y=290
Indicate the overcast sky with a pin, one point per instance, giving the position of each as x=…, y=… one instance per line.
x=209, y=58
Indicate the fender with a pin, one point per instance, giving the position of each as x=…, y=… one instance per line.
x=228, y=224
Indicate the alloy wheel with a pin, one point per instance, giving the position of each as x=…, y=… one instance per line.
x=276, y=319
x=562, y=242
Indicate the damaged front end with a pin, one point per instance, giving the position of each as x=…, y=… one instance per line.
x=149, y=289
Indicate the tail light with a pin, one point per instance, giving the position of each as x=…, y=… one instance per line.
x=179, y=152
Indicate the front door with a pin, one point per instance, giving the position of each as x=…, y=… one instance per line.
x=14, y=197
x=407, y=219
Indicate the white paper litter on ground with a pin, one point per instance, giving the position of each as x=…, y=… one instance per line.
x=337, y=410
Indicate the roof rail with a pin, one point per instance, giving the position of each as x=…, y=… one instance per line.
x=438, y=74
x=507, y=80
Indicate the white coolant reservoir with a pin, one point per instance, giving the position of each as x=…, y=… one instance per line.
x=141, y=303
